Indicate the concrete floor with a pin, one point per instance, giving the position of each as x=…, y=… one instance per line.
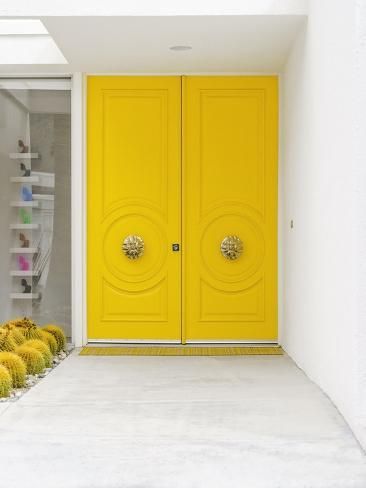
x=177, y=422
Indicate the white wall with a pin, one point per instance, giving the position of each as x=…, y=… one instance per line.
x=323, y=191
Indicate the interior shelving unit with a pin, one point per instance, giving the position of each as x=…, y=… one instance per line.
x=31, y=250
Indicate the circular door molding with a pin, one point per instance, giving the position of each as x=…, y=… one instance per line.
x=140, y=221
x=225, y=221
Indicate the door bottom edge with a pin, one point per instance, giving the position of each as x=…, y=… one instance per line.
x=249, y=342
x=165, y=342
x=134, y=341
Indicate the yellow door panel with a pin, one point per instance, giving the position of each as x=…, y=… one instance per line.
x=230, y=189
x=134, y=188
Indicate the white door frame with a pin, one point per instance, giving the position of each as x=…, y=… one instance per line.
x=78, y=204
x=78, y=213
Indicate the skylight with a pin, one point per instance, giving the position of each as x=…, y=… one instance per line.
x=27, y=41
x=19, y=27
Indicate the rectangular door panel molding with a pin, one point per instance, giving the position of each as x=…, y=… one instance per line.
x=230, y=191
x=134, y=189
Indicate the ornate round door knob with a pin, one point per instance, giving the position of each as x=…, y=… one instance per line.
x=133, y=247
x=231, y=247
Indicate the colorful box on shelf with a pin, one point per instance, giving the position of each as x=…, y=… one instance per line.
x=26, y=194
x=23, y=263
x=26, y=217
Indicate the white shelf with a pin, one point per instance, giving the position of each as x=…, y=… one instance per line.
x=46, y=180
x=24, y=296
x=24, y=226
x=24, y=273
x=23, y=155
x=40, y=196
x=31, y=203
x=23, y=250
x=25, y=179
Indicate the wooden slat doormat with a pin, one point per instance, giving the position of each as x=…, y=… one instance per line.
x=182, y=351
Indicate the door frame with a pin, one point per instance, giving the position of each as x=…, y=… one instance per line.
x=79, y=194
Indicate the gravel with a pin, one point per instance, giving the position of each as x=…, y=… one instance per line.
x=32, y=380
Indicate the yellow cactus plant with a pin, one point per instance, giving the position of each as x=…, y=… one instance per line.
x=32, y=358
x=7, y=342
x=43, y=349
x=5, y=382
x=51, y=342
x=16, y=367
x=16, y=334
x=28, y=328
x=58, y=334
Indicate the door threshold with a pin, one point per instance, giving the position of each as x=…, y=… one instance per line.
x=188, y=350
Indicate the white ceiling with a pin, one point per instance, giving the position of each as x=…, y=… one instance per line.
x=43, y=8
x=226, y=44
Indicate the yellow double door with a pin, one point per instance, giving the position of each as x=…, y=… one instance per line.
x=182, y=209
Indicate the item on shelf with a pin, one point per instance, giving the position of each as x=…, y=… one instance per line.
x=24, y=240
x=26, y=194
x=27, y=287
x=22, y=148
x=25, y=216
x=27, y=171
x=23, y=263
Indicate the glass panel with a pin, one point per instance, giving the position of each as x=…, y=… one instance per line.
x=35, y=193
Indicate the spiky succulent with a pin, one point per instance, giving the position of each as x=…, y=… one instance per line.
x=6, y=340
x=43, y=349
x=16, y=367
x=58, y=334
x=51, y=342
x=5, y=382
x=16, y=334
x=32, y=358
x=28, y=328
